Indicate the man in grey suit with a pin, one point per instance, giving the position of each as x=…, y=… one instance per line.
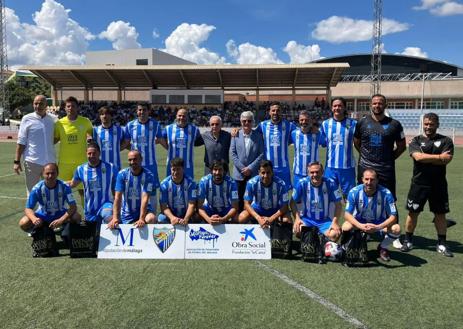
x=246, y=152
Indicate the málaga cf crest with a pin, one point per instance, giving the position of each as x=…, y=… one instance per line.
x=163, y=237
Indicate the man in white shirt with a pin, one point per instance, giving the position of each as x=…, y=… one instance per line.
x=35, y=142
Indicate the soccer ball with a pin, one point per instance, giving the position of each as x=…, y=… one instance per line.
x=332, y=250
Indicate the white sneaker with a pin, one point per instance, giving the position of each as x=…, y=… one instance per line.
x=397, y=244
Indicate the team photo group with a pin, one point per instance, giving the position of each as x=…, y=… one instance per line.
x=332, y=206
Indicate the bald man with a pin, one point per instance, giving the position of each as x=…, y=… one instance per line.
x=217, y=143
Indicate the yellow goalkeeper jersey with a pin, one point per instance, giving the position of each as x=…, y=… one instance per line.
x=73, y=139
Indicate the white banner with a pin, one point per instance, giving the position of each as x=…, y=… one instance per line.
x=151, y=241
x=194, y=241
x=204, y=241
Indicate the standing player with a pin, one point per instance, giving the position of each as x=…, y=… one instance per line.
x=218, y=195
x=337, y=135
x=72, y=132
x=181, y=138
x=380, y=140
x=266, y=198
x=178, y=195
x=431, y=152
x=56, y=203
x=110, y=138
x=371, y=208
x=143, y=134
x=99, y=179
x=35, y=142
x=305, y=139
x=321, y=203
x=134, y=186
x=277, y=137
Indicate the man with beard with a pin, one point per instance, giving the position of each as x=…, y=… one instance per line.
x=337, y=134
x=266, y=198
x=321, y=203
x=134, y=186
x=178, y=195
x=143, y=133
x=431, y=153
x=306, y=140
x=371, y=208
x=277, y=137
x=380, y=140
x=181, y=138
x=218, y=195
x=99, y=179
x=110, y=138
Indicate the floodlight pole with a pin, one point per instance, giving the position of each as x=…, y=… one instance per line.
x=3, y=62
x=376, y=51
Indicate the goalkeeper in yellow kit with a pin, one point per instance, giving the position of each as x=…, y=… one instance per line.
x=72, y=132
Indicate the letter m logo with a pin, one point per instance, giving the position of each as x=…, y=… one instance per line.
x=128, y=236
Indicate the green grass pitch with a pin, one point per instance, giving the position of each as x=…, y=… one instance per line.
x=420, y=289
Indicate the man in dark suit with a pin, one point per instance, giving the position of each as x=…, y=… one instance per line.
x=246, y=152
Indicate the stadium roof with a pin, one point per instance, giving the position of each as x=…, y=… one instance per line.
x=360, y=64
x=227, y=77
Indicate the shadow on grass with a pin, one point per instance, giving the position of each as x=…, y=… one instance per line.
x=420, y=242
x=405, y=259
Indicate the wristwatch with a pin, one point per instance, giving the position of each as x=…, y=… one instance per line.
x=16, y=162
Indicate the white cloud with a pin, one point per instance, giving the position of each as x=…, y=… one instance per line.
x=247, y=53
x=121, y=34
x=427, y=4
x=441, y=7
x=156, y=33
x=300, y=54
x=185, y=42
x=337, y=29
x=54, y=38
x=414, y=51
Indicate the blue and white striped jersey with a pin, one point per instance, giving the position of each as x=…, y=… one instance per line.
x=305, y=150
x=338, y=138
x=366, y=209
x=99, y=183
x=181, y=142
x=51, y=201
x=276, y=140
x=318, y=202
x=269, y=197
x=132, y=188
x=219, y=197
x=177, y=197
x=143, y=139
x=109, y=140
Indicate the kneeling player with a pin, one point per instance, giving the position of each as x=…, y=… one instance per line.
x=57, y=206
x=371, y=208
x=134, y=186
x=321, y=203
x=218, y=195
x=178, y=195
x=99, y=179
x=266, y=198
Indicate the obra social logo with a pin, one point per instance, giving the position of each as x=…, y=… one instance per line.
x=247, y=240
x=203, y=234
x=163, y=237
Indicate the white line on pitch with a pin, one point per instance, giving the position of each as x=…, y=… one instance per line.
x=8, y=175
x=11, y=197
x=319, y=299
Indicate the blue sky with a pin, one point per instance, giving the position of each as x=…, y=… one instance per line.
x=52, y=32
